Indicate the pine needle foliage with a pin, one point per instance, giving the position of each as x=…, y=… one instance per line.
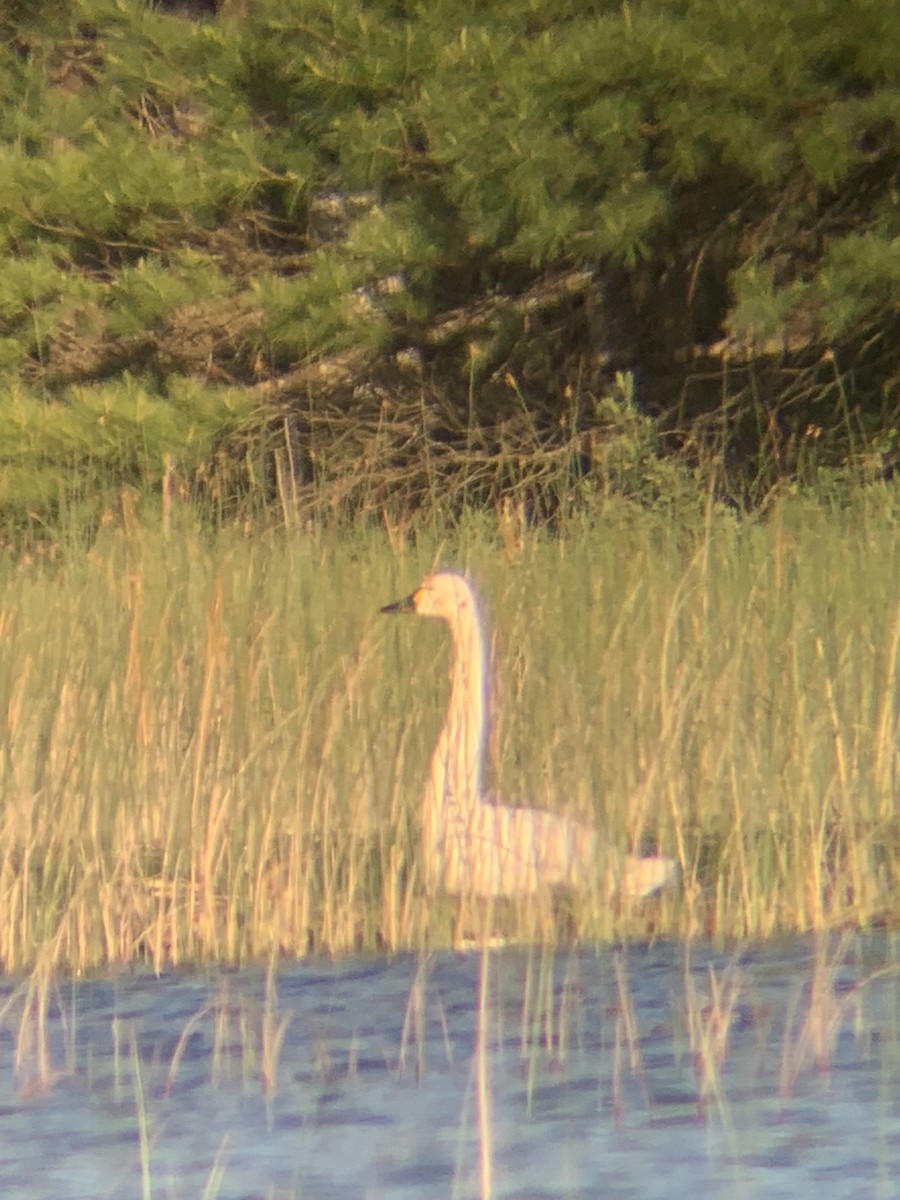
x=279, y=199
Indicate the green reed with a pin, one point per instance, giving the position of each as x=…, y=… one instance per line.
x=213, y=747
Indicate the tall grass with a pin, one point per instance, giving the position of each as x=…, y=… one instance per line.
x=213, y=747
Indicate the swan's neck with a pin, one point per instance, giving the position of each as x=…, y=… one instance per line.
x=464, y=729
x=455, y=777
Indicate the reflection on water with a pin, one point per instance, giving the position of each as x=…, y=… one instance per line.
x=769, y=1072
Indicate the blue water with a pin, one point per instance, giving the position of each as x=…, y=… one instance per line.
x=358, y=1078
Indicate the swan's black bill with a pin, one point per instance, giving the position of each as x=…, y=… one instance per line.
x=401, y=606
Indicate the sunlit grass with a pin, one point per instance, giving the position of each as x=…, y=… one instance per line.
x=213, y=747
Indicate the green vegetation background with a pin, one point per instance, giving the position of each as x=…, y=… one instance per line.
x=371, y=257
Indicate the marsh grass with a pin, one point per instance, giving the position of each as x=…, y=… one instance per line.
x=710, y=1013
x=212, y=747
x=824, y=1008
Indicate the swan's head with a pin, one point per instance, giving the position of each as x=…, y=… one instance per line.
x=444, y=595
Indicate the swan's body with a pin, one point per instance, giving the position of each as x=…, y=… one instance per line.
x=472, y=846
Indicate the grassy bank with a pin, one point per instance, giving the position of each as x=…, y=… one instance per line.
x=213, y=746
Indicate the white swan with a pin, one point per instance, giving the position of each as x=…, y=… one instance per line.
x=477, y=848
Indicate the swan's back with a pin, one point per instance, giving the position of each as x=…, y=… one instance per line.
x=506, y=852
